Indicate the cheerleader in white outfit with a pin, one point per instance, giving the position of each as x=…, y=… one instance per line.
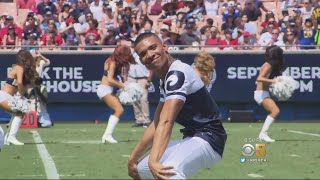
x=274, y=66
x=115, y=67
x=23, y=73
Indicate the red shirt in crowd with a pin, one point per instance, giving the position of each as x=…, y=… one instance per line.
x=94, y=32
x=26, y=4
x=233, y=43
x=57, y=40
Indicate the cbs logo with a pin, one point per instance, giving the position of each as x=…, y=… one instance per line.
x=259, y=150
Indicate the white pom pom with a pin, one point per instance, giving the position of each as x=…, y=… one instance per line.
x=18, y=104
x=283, y=88
x=132, y=94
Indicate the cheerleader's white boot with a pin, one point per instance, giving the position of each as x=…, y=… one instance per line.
x=13, y=130
x=107, y=136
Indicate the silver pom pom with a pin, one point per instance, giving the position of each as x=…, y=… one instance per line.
x=19, y=104
x=284, y=87
x=132, y=94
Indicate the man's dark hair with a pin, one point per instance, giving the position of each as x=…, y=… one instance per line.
x=143, y=36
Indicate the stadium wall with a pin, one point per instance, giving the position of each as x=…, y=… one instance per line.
x=73, y=77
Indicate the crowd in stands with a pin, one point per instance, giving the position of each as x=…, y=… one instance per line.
x=218, y=24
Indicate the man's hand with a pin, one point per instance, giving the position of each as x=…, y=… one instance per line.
x=159, y=171
x=132, y=169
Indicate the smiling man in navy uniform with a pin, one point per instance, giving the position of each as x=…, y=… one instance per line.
x=185, y=100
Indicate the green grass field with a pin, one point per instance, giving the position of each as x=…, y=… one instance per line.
x=78, y=153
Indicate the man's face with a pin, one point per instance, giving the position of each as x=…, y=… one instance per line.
x=152, y=52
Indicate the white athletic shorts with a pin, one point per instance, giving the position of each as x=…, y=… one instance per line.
x=103, y=90
x=4, y=96
x=260, y=95
x=187, y=156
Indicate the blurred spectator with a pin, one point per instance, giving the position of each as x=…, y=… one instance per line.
x=243, y=26
x=64, y=14
x=181, y=17
x=208, y=25
x=307, y=35
x=229, y=24
x=91, y=44
x=259, y=4
x=284, y=21
x=253, y=12
x=297, y=17
x=96, y=7
x=229, y=43
x=109, y=38
x=31, y=27
x=11, y=38
x=51, y=39
x=270, y=21
x=26, y=4
x=59, y=5
x=81, y=10
x=139, y=7
x=127, y=15
x=231, y=10
x=67, y=24
x=292, y=27
x=189, y=37
x=70, y=41
x=276, y=39
x=174, y=39
x=164, y=32
x=199, y=10
x=49, y=23
x=107, y=17
x=286, y=4
x=9, y=21
x=317, y=36
x=93, y=30
x=124, y=31
x=292, y=42
x=3, y=22
x=45, y=6
x=225, y=5
x=141, y=22
x=147, y=28
x=211, y=7
x=205, y=36
x=306, y=10
x=266, y=36
x=31, y=42
x=169, y=9
x=156, y=8
x=316, y=14
x=214, y=39
x=119, y=10
x=247, y=43
x=268, y=16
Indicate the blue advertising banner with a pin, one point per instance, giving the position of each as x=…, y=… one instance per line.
x=75, y=77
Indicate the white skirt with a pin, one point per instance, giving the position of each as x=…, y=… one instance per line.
x=104, y=90
x=4, y=96
x=260, y=95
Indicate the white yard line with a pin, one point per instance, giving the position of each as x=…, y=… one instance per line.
x=295, y=155
x=255, y=175
x=125, y=155
x=304, y=133
x=49, y=166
